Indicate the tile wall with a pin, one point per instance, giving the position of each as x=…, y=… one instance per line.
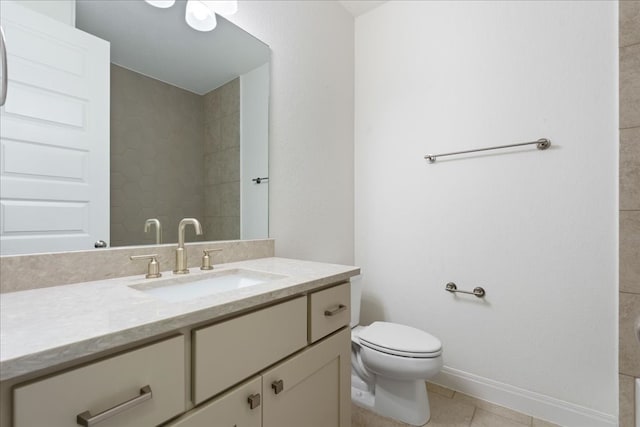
x=629, y=348
x=174, y=155
x=222, y=162
x=156, y=157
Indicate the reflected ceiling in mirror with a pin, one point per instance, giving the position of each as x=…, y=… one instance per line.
x=158, y=43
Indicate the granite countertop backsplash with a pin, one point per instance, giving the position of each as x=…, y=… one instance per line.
x=42, y=328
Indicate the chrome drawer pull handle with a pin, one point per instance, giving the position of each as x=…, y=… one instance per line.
x=277, y=386
x=254, y=401
x=338, y=309
x=86, y=419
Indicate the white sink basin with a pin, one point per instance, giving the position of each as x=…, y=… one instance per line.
x=190, y=287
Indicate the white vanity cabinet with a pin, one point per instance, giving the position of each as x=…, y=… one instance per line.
x=310, y=388
x=284, y=365
x=313, y=387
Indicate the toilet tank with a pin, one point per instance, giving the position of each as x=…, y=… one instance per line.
x=356, y=297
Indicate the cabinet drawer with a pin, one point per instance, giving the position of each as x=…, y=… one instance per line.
x=230, y=409
x=57, y=401
x=230, y=351
x=329, y=310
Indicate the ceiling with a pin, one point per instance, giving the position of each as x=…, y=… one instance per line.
x=359, y=7
x=158, y=43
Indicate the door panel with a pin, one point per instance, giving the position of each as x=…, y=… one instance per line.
x=54, y=136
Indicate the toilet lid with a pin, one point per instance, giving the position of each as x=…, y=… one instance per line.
x=401, y=340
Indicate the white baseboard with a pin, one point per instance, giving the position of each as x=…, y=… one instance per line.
x=527, y=402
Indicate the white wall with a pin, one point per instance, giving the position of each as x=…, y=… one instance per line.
x=254, y=153
x=310, y=125
x=536, y=229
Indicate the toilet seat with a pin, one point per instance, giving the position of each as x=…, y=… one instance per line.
x=400, y=340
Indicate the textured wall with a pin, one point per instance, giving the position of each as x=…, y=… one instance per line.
x=222, y=162
x=629, y=362
x=157, y=155
x=536, y=229
x=310, y=125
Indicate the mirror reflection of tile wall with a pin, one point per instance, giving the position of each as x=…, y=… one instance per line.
x=629, y=296
x=222, y=162
x=174, y=154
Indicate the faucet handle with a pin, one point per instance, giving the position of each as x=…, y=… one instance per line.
x=153, y=269
x=206, y=259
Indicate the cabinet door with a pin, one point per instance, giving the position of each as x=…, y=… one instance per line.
x=311, y=389
x=240, y=407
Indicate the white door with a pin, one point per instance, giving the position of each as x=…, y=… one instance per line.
x=54, y=136
x=254, y=143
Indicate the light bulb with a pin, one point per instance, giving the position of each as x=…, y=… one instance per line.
x=225, y=7
x=163, y=4
x=200, y=11
x=200, y=15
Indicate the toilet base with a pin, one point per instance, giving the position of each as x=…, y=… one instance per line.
x=405, y=401
x=362, y=397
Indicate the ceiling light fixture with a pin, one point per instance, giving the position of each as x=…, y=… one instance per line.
x=162, y=4
x=225, y=7
x=200, y=15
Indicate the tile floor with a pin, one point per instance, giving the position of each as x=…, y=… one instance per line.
x=453, y=409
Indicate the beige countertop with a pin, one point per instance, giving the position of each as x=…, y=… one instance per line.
x=46, y=327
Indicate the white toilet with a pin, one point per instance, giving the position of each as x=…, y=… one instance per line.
x=389, y=366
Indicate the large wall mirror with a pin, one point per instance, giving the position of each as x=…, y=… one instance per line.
x=188, y=124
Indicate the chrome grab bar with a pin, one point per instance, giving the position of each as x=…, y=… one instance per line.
x=477, y=291
x=87, y=420
x=5, y=76
x=542, y=144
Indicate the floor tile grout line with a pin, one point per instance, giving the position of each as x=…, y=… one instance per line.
x=629, y=45
x=473, y=415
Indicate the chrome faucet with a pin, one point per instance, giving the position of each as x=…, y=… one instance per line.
x=154, y=221
x=181, y=253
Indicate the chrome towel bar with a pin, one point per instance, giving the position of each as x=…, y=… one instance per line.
x=542, y=144
x=477, y=291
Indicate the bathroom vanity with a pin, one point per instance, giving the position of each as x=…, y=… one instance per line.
x=275, y=353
